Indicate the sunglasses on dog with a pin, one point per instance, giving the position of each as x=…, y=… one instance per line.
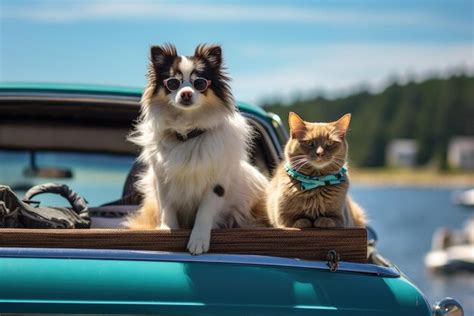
x=200, y=84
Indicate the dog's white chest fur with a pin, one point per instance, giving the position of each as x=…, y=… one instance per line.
x=187, y=170
x=185, y=174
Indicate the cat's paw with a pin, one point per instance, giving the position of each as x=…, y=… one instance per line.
x=324, y=222
x=303, y=223
x=199, y=243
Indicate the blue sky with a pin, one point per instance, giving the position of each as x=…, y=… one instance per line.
x=272, y=49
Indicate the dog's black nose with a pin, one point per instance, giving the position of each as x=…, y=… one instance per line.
x=186, y=96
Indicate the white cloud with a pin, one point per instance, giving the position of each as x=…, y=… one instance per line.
x=54, y=11
x=344, y=67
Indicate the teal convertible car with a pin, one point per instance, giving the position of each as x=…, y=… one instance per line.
x=77, y=135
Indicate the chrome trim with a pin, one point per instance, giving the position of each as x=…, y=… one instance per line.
x=64, y=97
x=271, y=132
x=162, y=256
x=266, y=138
x=279, y=125
x=68, y=94
x=448, y=307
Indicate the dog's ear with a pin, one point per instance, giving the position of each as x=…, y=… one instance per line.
x=162, y=55
x=215, y=55
x=212, y=53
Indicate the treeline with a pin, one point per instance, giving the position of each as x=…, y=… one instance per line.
x=431, y=112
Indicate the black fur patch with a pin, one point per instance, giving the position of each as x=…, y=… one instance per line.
x=211, y=57
x=219, y=190
x=161, y=59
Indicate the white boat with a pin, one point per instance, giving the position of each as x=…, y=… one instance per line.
x=465, y=198
x=452, y=251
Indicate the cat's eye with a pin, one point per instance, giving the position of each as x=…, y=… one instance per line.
x=308, y=143
x=330, y=143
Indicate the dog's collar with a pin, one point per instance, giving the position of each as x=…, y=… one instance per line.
x=191, y=134
x=312, y=182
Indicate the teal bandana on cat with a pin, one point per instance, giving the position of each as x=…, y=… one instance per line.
x=311, y=182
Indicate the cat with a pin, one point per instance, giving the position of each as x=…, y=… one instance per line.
x=309, y=188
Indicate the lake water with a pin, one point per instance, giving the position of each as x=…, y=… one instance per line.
x=405, y=219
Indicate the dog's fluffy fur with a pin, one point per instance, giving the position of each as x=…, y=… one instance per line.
x=204, y=182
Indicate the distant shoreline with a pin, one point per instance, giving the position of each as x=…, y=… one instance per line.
x=411, y=177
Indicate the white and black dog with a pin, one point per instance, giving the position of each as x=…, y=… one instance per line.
x=194, y=143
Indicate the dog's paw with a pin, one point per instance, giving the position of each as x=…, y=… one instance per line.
x=198, y=244
x=163, y=226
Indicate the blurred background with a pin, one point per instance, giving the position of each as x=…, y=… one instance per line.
x=404, y=69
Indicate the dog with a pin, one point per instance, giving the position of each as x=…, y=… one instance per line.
x=195, y=147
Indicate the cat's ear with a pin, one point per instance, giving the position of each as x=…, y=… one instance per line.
x=297, y=126
x=342, y=124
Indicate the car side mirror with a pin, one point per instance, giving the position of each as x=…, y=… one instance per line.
x=448, y=307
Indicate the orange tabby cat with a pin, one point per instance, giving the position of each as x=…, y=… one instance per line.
x=309, y=188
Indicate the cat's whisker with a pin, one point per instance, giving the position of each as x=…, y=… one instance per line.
x=339, y=162
x=301, y=166
x=299, y=163
x=295, y=162
x=338, y=158
x=298, y=156
x=298, y=160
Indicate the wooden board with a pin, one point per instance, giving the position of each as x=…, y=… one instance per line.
x=309, y=244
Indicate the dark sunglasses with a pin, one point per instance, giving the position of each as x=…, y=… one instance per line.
x=200, y=84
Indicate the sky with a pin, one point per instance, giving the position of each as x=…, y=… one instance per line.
x=272, y=49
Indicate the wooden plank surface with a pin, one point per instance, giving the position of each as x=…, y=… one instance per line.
x=309, y=244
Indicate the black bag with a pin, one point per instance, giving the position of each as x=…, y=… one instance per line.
x=16, y=213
